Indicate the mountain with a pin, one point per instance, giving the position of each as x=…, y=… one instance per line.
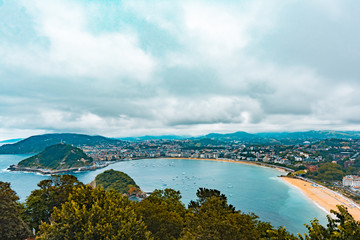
x=9, y=141
x=36, y=144
x=236, y=136
x=147, y=137
x=58, y=157
x=311, y=135
x=283, y=137
x=115, y=180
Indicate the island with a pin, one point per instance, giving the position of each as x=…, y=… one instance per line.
x=119, y=181
x=58, y=158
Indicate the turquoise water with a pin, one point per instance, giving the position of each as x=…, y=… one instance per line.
x=249, y=188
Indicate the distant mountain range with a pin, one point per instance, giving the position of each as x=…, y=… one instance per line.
x=268, y=137
x=9, y=141
x=284, y=137
x=36, y=144
x=147, y=137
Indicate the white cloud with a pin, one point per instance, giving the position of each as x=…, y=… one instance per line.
x=74, y=51
x=208, y=77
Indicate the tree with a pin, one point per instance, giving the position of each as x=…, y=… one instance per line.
x=163, y=213
x=52, y=193
x=211, y=217
x=204, y=194
x=11, y=225
x=214, y=221
x=328, y=172
x=342, y=227
x=94, y=214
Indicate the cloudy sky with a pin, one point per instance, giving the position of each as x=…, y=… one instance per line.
x=130, y=68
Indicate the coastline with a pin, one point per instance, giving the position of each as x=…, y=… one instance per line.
x=49, y=171
x=284, y=169
x=323, y=197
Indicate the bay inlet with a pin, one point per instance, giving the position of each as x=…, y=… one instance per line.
x=249, y=188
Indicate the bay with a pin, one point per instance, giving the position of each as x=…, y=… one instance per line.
x=249, y=188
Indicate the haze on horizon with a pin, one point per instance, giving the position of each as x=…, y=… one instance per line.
x=130, y=68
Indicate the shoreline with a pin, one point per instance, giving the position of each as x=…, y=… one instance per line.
x=326, y=199
x=284, y=169
x=16, y=168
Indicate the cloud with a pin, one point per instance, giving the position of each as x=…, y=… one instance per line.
x=182, y=67
x=74, y=51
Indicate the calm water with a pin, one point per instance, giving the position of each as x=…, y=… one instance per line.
x=249, y=188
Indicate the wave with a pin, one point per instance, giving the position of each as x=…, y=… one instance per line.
x=5, y=170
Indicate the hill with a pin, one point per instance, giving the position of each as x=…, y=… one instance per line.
x=283, y=137
x=10, y=141
x=36, y=144
x=161, y=137
x=260, y=138
x=236, y=136
x=57, y=157
x=115, y=180
x=299, y=137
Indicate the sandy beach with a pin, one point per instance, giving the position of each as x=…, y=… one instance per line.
x=323, y=196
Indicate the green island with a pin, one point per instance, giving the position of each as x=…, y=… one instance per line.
x=118, y=181
x=56, y=158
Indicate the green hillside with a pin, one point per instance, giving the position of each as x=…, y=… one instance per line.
x=115, y=180
x=58, y=157
x=36, y=144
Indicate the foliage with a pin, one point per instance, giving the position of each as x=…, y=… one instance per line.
x=163, y=213
x=204, y=194
x=94, y=214
x=211, y=217
x=212, y=221
x=342, y=227
x=59, y=156
x=11, y=224
x=115, y=180
x=52, y=193
x=36, y=144
x=327, y=172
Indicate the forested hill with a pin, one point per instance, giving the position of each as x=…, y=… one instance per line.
x=36, y=144
x=261, y=138
x=283, y=137
x=115, y=180
x=58, y=157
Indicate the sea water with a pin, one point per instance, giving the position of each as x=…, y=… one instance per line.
x=249, y=188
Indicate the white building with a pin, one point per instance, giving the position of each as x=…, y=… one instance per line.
x=351, y=180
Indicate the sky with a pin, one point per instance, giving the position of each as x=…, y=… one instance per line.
x=132, y=68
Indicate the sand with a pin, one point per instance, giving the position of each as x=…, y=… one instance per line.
x=324, y=197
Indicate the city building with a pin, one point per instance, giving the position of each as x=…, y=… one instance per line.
x=351, y=181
